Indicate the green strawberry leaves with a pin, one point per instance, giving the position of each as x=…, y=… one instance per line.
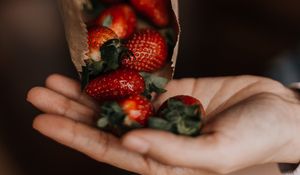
x=90, y=71
x=153, y=83
x=178, y=118
x=111, y=53
x=114, y=120
x=161, y=124
x=110, y=116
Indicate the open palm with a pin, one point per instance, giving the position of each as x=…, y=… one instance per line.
x=234, y=105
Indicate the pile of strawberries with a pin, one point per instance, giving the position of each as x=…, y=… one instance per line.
x=119, y=73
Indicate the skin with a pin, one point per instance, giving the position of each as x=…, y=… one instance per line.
x=250, y=121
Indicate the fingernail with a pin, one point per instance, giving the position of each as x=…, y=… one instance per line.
x=136, y=144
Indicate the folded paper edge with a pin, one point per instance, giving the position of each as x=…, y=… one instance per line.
x=77, y=34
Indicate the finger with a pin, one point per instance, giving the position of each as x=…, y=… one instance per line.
x=51, y=102
x=202, y=152
x=69, y=88
x=97, y=145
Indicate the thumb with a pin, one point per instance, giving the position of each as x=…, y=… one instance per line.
x=167, y=148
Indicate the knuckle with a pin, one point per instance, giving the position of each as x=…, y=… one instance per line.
x=74, y=135
x=65, y=107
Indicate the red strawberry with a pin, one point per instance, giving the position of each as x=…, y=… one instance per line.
x=158, y=11
x=120, y=116
x=120, y=18
x=137, y=109
x=149, y=49
x=97, y=36
x=181, y=115
x=116, y=85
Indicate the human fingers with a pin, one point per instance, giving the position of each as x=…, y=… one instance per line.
x=200, y=153
x=69, y=88
x=51, y=102
x=92, y=142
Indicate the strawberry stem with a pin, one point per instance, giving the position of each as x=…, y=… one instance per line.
x=111, y=53
x=153, y=83
x=113, y=119
x=178, y=118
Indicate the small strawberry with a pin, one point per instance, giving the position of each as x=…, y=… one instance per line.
x=97, y=36
x=137, y=109
x=122, y=115
x=180, y=114
x=105, y=51
x=149, y=49
x=118, y=84
x=158, y=11
x=120, y=18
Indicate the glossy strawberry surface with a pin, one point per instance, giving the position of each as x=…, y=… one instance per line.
x=120, y=18
x=157, y=11
x=136, y=108
x=118, y=84
x=97, y=36
x=149, y=49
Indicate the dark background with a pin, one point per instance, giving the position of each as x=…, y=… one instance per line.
x=219, y=38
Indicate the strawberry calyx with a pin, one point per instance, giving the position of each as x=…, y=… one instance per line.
x=112, y=118
x=109, y=109
x=178, y=118
x=153, y=84
x=111, y=52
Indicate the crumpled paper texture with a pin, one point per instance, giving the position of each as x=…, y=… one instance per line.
x=77, y=34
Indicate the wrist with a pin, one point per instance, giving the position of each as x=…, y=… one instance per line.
x=296, y=88
x=296, y=135
x=289, y=149
x=293, y=169
x=293, y=145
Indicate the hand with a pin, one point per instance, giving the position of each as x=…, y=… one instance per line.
x=250, y=121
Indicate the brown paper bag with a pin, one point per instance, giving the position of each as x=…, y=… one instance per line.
x=77, y=36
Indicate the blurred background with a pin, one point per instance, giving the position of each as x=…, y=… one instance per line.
x=233, y=37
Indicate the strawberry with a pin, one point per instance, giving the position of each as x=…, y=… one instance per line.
x=97, y=36
x=180, y=114
x=120, y=18
x=149, y=49
x=137, y=109
x=105, y=51
x=123, y=115
x=118, y=84
x=157, y=11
